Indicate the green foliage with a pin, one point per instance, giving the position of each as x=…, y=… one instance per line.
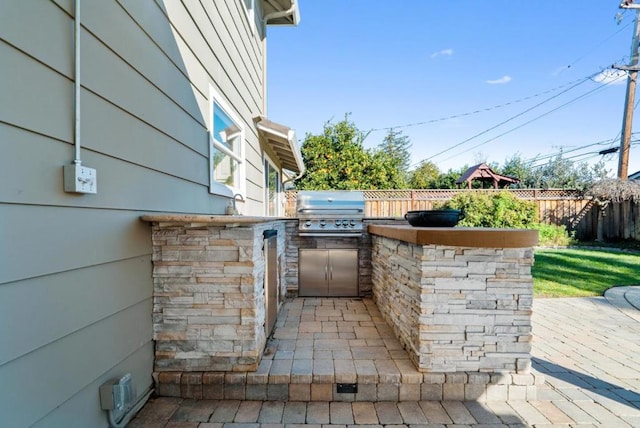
x=551, y=235
x=493, y=210
x=518, y=168
x=558, y=173
x=337, y=160
x=425, y=176
x=395, y=149
x=428, y=176
x=448, y=179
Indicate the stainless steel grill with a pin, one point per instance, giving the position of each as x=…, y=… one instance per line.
x=330, y=213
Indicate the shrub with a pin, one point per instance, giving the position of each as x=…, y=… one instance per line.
x=502, y=209
x=551, y=235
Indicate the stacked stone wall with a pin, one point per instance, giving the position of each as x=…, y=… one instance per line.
x=457, y=309
x=209, y=300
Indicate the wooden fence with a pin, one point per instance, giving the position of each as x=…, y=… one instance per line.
x=617, y=221
x=554, y=206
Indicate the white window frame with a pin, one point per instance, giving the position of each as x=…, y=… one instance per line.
x=278, y=202
x=250, y=11
x=238, y=155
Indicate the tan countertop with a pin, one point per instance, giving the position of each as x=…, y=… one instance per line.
x=228, y=220
x=458, y=236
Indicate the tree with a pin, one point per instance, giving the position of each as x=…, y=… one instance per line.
x=395, y=147
x=448, y=179
x=337, y=160
x=557, y=173
x=425, y=176
x=518, y=168
x=563, y=173
x=615, y=190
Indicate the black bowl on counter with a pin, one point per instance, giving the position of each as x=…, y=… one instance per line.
x=434, y=218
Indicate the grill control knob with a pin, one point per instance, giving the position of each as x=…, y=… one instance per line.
x=307, y=223
x=352, y=223
x=338, y=223
x=323, y=223
x=345, y=223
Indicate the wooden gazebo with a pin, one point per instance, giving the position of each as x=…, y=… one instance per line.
x=484, y=174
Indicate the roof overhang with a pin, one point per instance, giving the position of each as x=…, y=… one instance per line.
x=283, y=142
x=281, y=12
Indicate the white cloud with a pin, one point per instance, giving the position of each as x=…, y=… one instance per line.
x=500, y=81
x=611, y=77
x=443, y=52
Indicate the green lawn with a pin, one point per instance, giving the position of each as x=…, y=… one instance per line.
x=578, y=272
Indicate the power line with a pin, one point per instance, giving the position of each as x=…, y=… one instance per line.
x=593, y=155
x=515, y=117
x=509, y=103
x=581, y=57
x=591, y=92
x=495, y=107
x=562, y=151
x=506, y=121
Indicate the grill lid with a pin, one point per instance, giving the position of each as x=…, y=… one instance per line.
x=330, y=213
x=347, y=202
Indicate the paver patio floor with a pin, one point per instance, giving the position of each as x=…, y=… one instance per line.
x=586, y=347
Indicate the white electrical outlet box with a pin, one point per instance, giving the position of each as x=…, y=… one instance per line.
x=80, y=179
x=118, y=394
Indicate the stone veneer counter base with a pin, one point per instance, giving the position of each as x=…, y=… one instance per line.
x=458, y=299
x=209, y=297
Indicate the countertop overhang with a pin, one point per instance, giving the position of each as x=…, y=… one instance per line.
x=458, y=236
x=217, y=220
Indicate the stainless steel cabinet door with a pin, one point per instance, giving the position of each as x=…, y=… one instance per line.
x=328, y=273
x=271, y=282
x=343, y=273
x=313, y=273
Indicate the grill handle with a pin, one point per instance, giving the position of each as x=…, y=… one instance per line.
x=333, y=234
x=333, y=210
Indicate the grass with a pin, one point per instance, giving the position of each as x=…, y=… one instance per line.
x=574, y=272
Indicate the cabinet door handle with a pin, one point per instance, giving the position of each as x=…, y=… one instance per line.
x=325, y=272
x=331, y=272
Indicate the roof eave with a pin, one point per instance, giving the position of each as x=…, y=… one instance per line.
x=283, y=142
x=281, y=12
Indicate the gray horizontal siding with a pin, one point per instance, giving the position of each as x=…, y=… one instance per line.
x=35, y=97
x=34, y=385
x=50, y=45
x=122, y=183
x=75, y=281
x=82, y=406
x=67, y=302
x=39, y=241
x=142, y=54
x=130, y=91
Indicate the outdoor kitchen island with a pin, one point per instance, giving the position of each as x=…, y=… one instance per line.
x=458, y=299
x=451, y=317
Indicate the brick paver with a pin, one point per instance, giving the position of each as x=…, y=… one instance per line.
x=364, y=413
x=318, y=413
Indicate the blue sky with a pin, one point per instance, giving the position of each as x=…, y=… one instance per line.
x=432, y=63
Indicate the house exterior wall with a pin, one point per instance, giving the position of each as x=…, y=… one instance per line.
x=75, y=272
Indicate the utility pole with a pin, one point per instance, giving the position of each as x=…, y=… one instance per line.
x=632, y=70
